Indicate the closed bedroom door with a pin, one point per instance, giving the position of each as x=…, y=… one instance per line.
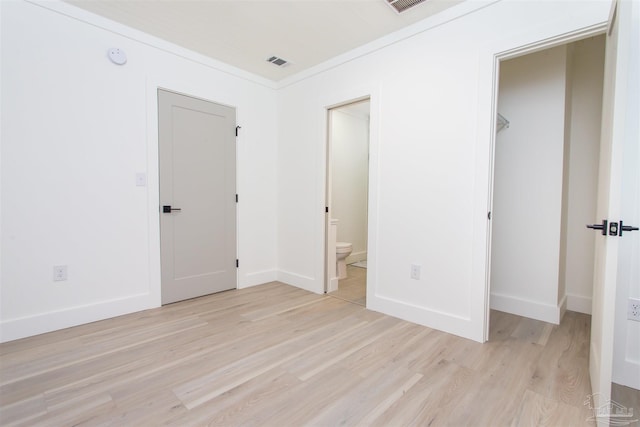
x=197, y=161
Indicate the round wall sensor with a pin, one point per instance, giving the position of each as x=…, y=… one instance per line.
x=117, y=56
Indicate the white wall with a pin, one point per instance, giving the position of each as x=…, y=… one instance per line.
x=75, y=131
x=587, y=75
x=430, y=149
x=527, y=198
x=349, y=176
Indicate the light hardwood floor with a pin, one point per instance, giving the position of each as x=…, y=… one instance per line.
x=274, y=355
x=354, y=287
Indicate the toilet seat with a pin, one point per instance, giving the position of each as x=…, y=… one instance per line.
x=342, y=247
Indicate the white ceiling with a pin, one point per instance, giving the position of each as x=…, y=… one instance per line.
x=244, y=33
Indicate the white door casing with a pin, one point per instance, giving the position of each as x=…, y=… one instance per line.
x=197, y=167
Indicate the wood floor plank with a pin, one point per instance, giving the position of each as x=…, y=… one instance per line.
x=537, y=410
x=559, y=374
x=243, y=403
x=353, y=288
x=364, y=398
x=320, y=393
x=399, y=349
x=314, y=360
x=17, y=369
x=431, y=401
x=207, y=387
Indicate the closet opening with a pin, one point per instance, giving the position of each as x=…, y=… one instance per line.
x=545, y=179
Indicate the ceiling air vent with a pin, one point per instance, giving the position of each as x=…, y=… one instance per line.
x=278, y=61
x=402, y=5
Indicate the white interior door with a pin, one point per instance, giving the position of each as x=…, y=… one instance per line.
x=617, y=142
x=197, y=156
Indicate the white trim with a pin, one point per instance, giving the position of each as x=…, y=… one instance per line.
x=445, y=322
x=303, y=282
x=13, y=329
x=562, y=307
x=258, y=278
x=528, y=308
x=627, y=373
x=333, y=284
x=579, y=303
x=356, y=257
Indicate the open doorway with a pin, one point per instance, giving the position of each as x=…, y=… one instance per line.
x=347, y=201
x=545, y=189
x=546, y=155
x=545, y=180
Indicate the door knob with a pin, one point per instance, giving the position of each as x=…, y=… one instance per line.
x=626, y=228
x=602, y=227
x=169, y=209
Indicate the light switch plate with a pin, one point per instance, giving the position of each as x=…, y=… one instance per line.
x=141, y=179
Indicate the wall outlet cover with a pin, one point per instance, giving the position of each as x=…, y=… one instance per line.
x=59, y=273
x=415, y=271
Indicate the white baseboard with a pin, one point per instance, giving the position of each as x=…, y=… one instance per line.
x=527, y=308
x=333, y=284
x=627, y=374
x=445, y=322
x=356, y=257
x=579, y=303
x=300, y=281
x=13, y=329
x=563, y=308
x=258, y=278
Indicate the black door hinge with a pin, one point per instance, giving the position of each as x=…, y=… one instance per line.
x=238, y=128
x=236, y=198
x=237, y=263
x=326, y=209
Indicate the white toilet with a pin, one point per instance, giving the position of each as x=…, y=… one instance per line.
x=343, y=250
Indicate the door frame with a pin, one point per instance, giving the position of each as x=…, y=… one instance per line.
x=326, y=103
x=329, y=187
x=182, y=87
x=496, y=58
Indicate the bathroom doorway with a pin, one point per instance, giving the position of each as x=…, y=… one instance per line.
x=347, y=201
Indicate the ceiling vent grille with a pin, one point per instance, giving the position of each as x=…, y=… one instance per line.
x=278, y=61
x=402, y=5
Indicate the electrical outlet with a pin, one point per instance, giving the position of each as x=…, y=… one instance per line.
x=633, y=309
x=59, y=273
x=141, y=179
x=415, y=271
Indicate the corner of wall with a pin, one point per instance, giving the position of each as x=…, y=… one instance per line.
x=445, y=322
x=579, y=303
x=257, y=278
x=527, y=308
x=303, y=282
